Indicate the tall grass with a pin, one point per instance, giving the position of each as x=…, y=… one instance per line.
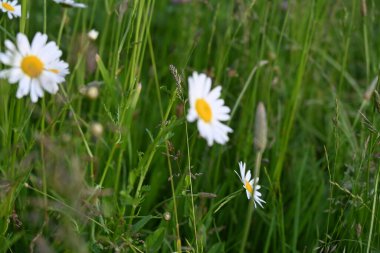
x=148, y=182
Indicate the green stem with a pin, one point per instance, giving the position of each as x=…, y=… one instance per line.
x=178, y=239
x=24, y=14
x=248, y=218
x=45, y=17
x=64, y=17
x=191, y=189
x=373, y=212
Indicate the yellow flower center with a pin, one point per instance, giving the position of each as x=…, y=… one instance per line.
x=248, y=187
x=32, y=66
x=8, y=7
x=203, y=110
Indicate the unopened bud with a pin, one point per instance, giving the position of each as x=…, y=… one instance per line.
x=167, y=216
x=92, y=92
x=96, y=129
x=359, y=230
x=261, y=128
x=93, y=34
x=364, y=8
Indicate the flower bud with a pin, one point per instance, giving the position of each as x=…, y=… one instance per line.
x=167, y=216
x=92, y=92
x=261, y=128
x=93, y=34
x=96, y=129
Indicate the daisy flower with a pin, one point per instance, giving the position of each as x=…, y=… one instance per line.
x=70, y=3
x=249, y=184
x=35, y=67
x=207, y=107
x=11, y=8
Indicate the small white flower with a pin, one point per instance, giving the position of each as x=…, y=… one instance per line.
x=250, y=185
x=93, y=34
x=11, y=8
x=70, y=3
x=35, y=67
x=208, y=109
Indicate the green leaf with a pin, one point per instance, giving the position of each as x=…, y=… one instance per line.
x=217, y=248
x=140, y=224
x=103, y=70
x=154, y=241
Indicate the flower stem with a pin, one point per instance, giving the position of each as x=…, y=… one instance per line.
x=24, y=14
x=248, y=218
x=45, y=17
x=64, y=17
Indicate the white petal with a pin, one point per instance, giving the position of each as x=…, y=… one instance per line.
x=38, y=42
x=4, y=74
x=222, y=127
x=33, y=92
x=248, y=177
x=37, y=87
x=223, y=109
x=48, y=81
x=221, y=116
x=9, y=45
x=23, y=87
x=205, y=83
x=248, y=194
x=50, y=53
x=205, y=131
x=215, y=93
x=5, y=59
x=23, y=44
x=62, y=68
x=17, y=11
x=80, y=5
x=242, y=170
x=219, y=137
x=15, y=75
x=221, y=133
x=192, y=115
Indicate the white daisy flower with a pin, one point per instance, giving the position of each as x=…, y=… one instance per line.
x=249, y=184
x=36, y=66
x=11, y=8
x=70, y=3
x=208, y=109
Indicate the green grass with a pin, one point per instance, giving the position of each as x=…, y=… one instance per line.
x=150, y=183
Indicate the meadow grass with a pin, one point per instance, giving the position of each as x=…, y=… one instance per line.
x=146, y=181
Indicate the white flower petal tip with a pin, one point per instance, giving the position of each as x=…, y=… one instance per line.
x=36, y=67
x=251, y=186
x=11, y=8
x=208, y=109
x=70, y=4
